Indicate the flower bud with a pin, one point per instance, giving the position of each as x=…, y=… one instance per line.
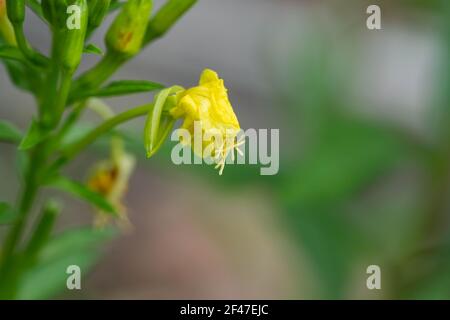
x=6, y=29
x=54, y=12
x=127, y=32
x=166, y=17
x=16, y=11
x=70, y=41
x=97, y=12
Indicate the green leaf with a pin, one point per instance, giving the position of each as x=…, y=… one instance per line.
x=18, y=75
x=93, y=49
x=332, y=242
x=119, y=88
x=77, y=131
x=11, y=53
x=7, y=213
x=47, y=280
x=346, y=157
x=9, y=133
x=77, y=240
x=83, y=192
x=75, y=247
x=17, y=72
x=34, y=135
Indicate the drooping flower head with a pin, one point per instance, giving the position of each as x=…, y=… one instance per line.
x=207, y=105
x=110, y=179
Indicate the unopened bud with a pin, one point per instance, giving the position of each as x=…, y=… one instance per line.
x=97, y=12
x=127, y=32
x=16, y=11
x=70, y=41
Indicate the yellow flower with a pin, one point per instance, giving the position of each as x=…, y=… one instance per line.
x=208, y=105
x=110, y=179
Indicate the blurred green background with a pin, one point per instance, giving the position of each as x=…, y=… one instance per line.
x=364, y=159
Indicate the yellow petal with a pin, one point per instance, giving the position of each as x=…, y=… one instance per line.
x=207, y=76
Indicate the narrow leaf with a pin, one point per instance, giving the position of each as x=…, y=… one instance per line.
x=17, y=72
x=83, y=192
x=119, y=88
x=93, y=49
x=9, y=133
x=77, y=240
x=34, y=135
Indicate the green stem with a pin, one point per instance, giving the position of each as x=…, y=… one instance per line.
x=26, y=49
x=53, y=104
x=8, y=273
x=71, y=119
x=49, y=97
x=41, y=233
x=64, y=89
x=72, y=150
x=100, y=73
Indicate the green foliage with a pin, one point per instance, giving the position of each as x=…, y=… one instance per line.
x=7, y=213
x=42, y=232
x=33, y=264
x=93, y=49
x=76, y=247
x=120, y=88
x=9, y=133
x=15, y=10
x=11, y=53
x=347, y=156
x=34, y=135
x=81, y=191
